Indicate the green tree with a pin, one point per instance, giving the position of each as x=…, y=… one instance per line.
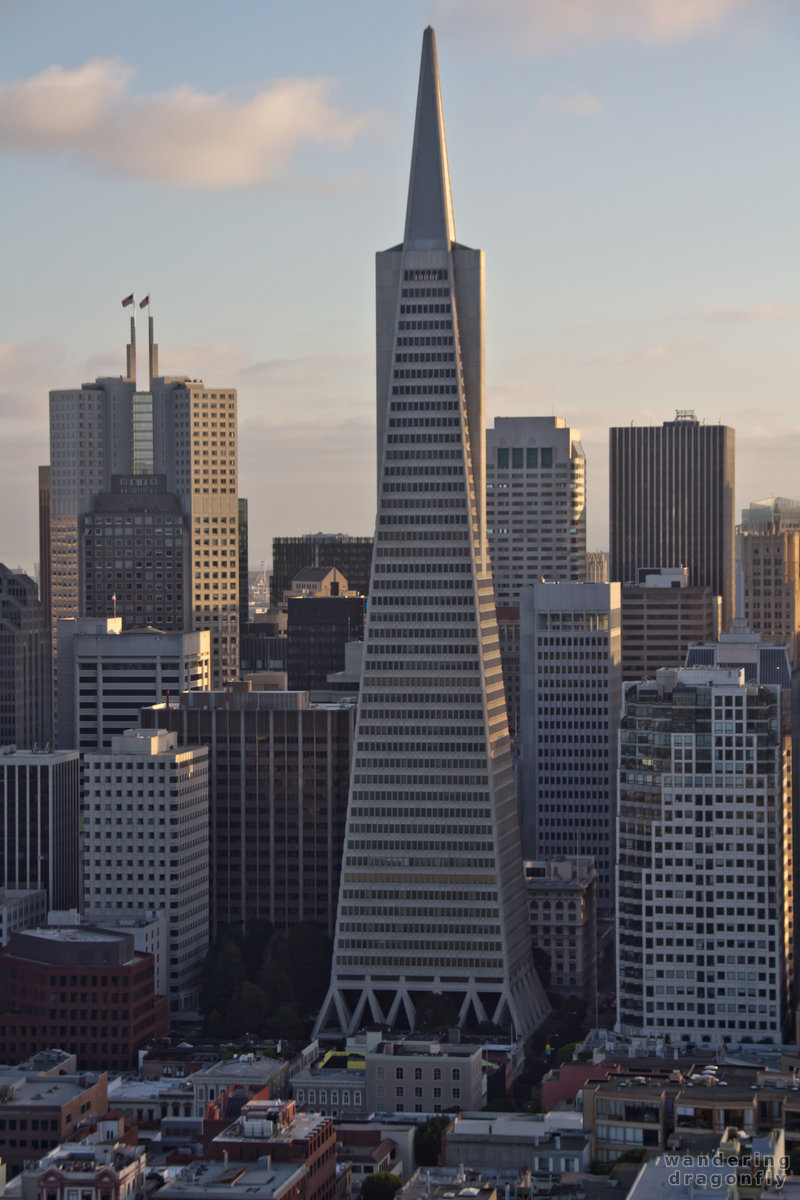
x=223, y=972
x=247, y=1011
x=428, y=1141
x=380, y=1186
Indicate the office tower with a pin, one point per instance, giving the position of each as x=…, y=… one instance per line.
x=571, y=671
x=661, y=617
x=596, y=566
x=25, y=717
x=39, y=823
x=134, y=555
x=704, y=891
x=317, y=631
x=770, y=558
x=244, y=570
x=114, y=451
x=432, y=899
x=762, y=662
x=778, y=511
x=672, y=503
x=508, y=632
x=535, y=503
x=107, y=676
x=279, y=773
x=352, y=556
x=146, y=845
x=44, y=540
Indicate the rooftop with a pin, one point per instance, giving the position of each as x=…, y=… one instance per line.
x=263, y=1179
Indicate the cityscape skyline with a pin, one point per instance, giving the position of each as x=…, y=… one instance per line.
x=662, y=263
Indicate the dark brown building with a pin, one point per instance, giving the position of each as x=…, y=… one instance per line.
x=661, y=618
x=274, y=1127
x=671, y=503
x=280, y=774
x=318, y=629
x=38, y=1111
x=87, y=990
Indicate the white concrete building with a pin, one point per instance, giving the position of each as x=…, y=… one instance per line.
x=704, y=890
x=570, y=656
x=146, y=820
x=535, y=503
x=106, y=676
x=20, y=909
x=432, y=899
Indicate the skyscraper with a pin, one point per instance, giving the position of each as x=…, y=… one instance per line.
x=25, y=717
x=535, y=504
x=432, y=897
x=143, y=506
x=672, y=503
x=570, y=670
x=704, y=891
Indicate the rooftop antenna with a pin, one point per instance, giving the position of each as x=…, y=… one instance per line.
x=130, y=302
x=152, y=348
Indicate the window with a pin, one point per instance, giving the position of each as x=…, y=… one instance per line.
x=418, y=1072
x=399, y=1072
x=502, y=458
x=437, y=1072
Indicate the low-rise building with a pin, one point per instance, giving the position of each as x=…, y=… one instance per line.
x=511, y=1141
x=86, y=989
x=275, y=1130
x=562, y=899
x=264, y=1179
x=38, y=1111
x=99, y=1169
x=424, y=1077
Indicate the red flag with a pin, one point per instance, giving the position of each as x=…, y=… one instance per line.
x=128, y=300
x=146, y=302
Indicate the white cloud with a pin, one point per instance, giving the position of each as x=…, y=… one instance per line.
x=537, y=25
x=753, y=312
x=580, y=104
x=181, y=137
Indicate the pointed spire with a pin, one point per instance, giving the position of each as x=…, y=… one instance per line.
x=429, y=216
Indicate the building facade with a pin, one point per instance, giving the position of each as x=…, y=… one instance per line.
x=351, y=555
x=671, y=503
x=432, y=898
x=770, y=560
x=25, y=713
x=87, y=990
x=661, y=617
x=535, y=503
x=112, y=446
x=705, y=925
x=40, y=794
x=571, y=671
x=318, y=629
x=146, y=846
x=106, y=676
x=279, y=773
x=562, y=897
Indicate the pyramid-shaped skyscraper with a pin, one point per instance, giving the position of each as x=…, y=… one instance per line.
x=432, y=898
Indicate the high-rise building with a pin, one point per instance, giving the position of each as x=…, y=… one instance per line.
x=318, y=629
x=145, y=812
x=596, y=566
x=351, y=555
x=661, y=617
x=535, y=503
x=571, y=673
x=432, y=898
x=770, y=560
x=671, y=503
x=704, y=891
x=107, y=676
x=777, y=511
x=117, y=452
x=279, y=773
x=25, y=713
x=40, y=794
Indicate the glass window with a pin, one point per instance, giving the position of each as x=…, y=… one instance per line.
x=517, y=457
x=533, y=456
x=502, y=457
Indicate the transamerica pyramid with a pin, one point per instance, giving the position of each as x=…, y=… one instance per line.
x=432, y=900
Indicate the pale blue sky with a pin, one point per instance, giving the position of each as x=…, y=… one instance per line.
x=630, y=168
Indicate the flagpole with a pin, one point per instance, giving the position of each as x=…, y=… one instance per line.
x=130, y=301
